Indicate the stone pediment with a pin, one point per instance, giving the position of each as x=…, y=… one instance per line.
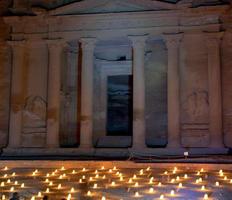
x=111, y=6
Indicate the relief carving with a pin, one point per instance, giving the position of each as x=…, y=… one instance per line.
x=34, y=113
x=195, y=107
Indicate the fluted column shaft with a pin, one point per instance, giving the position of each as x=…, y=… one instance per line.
x=213, y=41
x=139, y=138
x=173, y=43
x=86, y=137
x=55, y=57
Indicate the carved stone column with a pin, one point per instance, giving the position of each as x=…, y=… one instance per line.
x=172, y=43
x=139, y=137
x=213, y=41
x=86, y=137
x=17, y=98
x=55, y=49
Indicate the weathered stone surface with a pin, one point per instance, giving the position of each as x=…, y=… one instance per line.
x=194, y=91
x=156, y=94
x=5, y=74
x=43, y=70
x=227, y=88
x=69, y=101
x=33, y=140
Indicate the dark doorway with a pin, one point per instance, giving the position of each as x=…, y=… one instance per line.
x=119, y=105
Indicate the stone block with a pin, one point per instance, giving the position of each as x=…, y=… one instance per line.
x=33, y=140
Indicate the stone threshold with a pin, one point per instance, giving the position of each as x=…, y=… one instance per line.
x=112, y=152
x=108, y=164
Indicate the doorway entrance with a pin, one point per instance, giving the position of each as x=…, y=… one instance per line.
x=119, y=105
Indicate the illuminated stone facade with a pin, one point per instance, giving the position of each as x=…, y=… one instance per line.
x=56, y=61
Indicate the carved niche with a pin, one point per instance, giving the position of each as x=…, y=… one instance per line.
x=34, y=114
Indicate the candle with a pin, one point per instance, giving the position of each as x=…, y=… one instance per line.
x=136, y=194
x=89, y=193
x=113, y=183
x=151, y=190
x=172, y=193
x=12, y=189
x=69, y=196
x=72, y=190
x=39, y=194
x=202, y=187
x=206, y=196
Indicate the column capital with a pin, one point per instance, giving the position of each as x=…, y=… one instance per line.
x=213, y=39
x=172, y=40
x=71, y=49
x=56, y=43
x=88, y=43
x=35, y=42
x=16, y=43
x=138, y=40
x=227, y=38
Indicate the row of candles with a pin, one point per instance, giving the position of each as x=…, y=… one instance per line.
x=130, y=182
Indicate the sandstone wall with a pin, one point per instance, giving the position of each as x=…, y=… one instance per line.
x=35, y=95
x=5, y=76
x=194, y=91
x=227, y=88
